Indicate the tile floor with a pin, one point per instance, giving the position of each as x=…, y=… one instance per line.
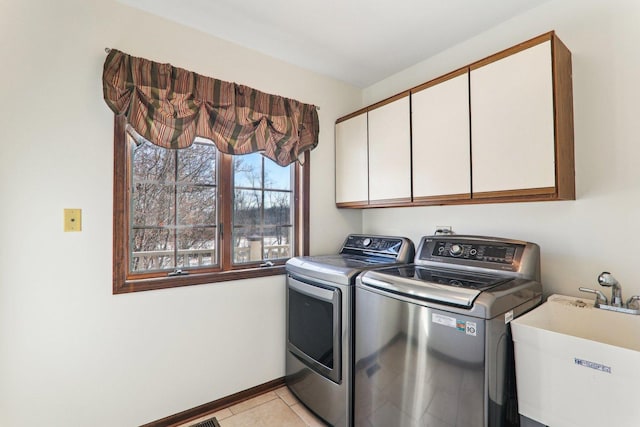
x=278, y=408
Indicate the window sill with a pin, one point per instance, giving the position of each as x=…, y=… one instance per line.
x=194, y=279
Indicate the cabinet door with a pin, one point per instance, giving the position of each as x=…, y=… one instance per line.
x=390, y=153
x=512, y=124
x=352, y=186
x=440, y=134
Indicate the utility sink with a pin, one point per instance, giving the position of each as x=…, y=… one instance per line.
x=577, y=365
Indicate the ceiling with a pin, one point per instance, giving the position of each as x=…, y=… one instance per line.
x=357, y=41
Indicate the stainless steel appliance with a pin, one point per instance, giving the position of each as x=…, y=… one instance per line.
x=320, y=295
x=433, y=344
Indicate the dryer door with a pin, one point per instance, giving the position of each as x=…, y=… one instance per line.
x=314, y=325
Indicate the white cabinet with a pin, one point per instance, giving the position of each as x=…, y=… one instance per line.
x=352, y=162
x=390, y=152
x=497, y=130
x=373, y=155
x=440, y=139
x=512, y=123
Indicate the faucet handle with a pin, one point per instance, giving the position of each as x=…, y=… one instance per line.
x=600, y=297
x=632, y=299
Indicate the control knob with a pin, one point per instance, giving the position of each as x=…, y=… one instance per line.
x=456, y=250
x=366, y=242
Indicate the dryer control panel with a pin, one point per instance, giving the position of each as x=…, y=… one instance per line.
x=383, y=246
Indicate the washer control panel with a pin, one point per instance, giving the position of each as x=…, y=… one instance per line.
x=508, y=257
x=503, y=254
x=498, y=255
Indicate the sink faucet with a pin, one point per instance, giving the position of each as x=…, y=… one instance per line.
x=606, y=279
x=616, y=304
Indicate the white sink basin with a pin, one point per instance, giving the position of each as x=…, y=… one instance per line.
x=577, y=365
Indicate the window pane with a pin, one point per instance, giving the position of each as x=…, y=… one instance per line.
x=277, y=242
x=271, y=244
x=152, y=249
x=262, y=219
x=197, y=247
x=247, y=245
x=275, y=176
x=247, y=209
x=152, y=204
x=247, y=170
x=196, y=205
x=277, y=208
x=158, y=202
x=153, y=163
x=197, y=164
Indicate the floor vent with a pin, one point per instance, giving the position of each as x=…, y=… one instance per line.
x=208, y=423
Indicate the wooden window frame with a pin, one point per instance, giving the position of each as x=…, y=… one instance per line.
x=124, y=282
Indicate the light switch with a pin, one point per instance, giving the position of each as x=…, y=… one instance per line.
x=73, y=220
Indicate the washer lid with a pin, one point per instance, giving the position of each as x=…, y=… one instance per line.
x=440, y=285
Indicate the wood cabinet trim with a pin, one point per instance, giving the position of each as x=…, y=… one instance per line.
x=404, y=201
x=389, y=100
x=563, y=111
x=375, y=106
x=358, y=204
x=512, y=50
x=439, y=80
x=442, y=198
x=352, y=115
x=512, y=198
x=515, y=193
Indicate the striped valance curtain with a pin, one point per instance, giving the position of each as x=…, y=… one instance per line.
x=170, y=106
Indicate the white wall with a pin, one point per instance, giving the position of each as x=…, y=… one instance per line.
x=599, y=230
x=72, y=354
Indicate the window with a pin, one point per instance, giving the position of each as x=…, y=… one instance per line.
x=196, y=215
